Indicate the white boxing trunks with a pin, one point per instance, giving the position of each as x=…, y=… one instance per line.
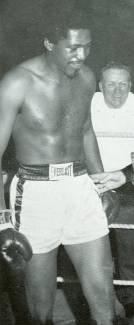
x=56, y=204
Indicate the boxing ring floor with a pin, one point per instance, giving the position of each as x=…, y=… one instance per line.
x=63, y=314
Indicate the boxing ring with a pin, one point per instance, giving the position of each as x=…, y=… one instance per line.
x=117, y=282
x=122, y=226
x=123, y=143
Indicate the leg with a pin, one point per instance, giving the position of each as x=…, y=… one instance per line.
x=93, y=263
x=39, y=292
x=41, y=285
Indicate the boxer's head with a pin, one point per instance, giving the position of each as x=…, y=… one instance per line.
x=115, y=84
x=68, y=41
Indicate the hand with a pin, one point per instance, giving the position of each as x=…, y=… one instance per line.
x=111, y=205
x=108, y=180
x=15, y=250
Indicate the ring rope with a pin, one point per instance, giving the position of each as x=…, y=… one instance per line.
x=123, y=282
x=121, y=226
x=61, y=279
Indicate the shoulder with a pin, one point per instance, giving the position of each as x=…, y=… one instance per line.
x=20, y=77
x=97, y=97
x=130, y=97
x=15, y=81
x=33, y=66
x=97, y=101
x=128, y=106
x=131, y=94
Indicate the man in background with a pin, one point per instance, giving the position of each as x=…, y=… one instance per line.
x=113, y=122
x=113, y=116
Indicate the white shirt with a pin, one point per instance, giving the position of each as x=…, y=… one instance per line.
x=114, y=129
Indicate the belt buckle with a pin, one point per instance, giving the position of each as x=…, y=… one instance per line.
x=60, y=171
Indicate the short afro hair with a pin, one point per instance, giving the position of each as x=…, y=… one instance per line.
x=60, y=16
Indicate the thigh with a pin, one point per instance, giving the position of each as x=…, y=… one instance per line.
x=92, y=256
x=93, y=263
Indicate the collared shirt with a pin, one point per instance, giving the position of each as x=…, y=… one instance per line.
x=114, y=129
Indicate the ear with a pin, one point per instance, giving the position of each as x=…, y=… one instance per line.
x=100, y=86
x=48, y=45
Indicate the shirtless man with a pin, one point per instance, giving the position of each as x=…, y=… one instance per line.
x=44, y=104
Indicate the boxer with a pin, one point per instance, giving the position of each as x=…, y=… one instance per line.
x=45, y=105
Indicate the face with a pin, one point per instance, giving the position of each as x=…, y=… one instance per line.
x=115, y=86
x=70, y=53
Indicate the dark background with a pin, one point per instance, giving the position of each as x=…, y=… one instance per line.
x=22, y=32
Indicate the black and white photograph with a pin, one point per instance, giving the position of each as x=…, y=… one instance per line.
x=66, y=162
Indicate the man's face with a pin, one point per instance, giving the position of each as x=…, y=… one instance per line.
x=115, y=85
x=70, y=52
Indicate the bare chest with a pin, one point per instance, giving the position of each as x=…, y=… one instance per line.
x=52, y=107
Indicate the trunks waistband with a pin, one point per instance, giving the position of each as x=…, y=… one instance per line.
x=51, y=172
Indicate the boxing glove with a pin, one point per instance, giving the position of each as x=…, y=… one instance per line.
x=111, y=205
x=15, y=250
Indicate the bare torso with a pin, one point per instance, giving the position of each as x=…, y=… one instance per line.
x=50, y=124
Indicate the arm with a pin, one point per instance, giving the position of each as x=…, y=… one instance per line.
x=108, y=180
x=110, y=200
x=12, y=89
x=128, y=172
x=111, y=180
x=15, y=249
x=91, y=149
